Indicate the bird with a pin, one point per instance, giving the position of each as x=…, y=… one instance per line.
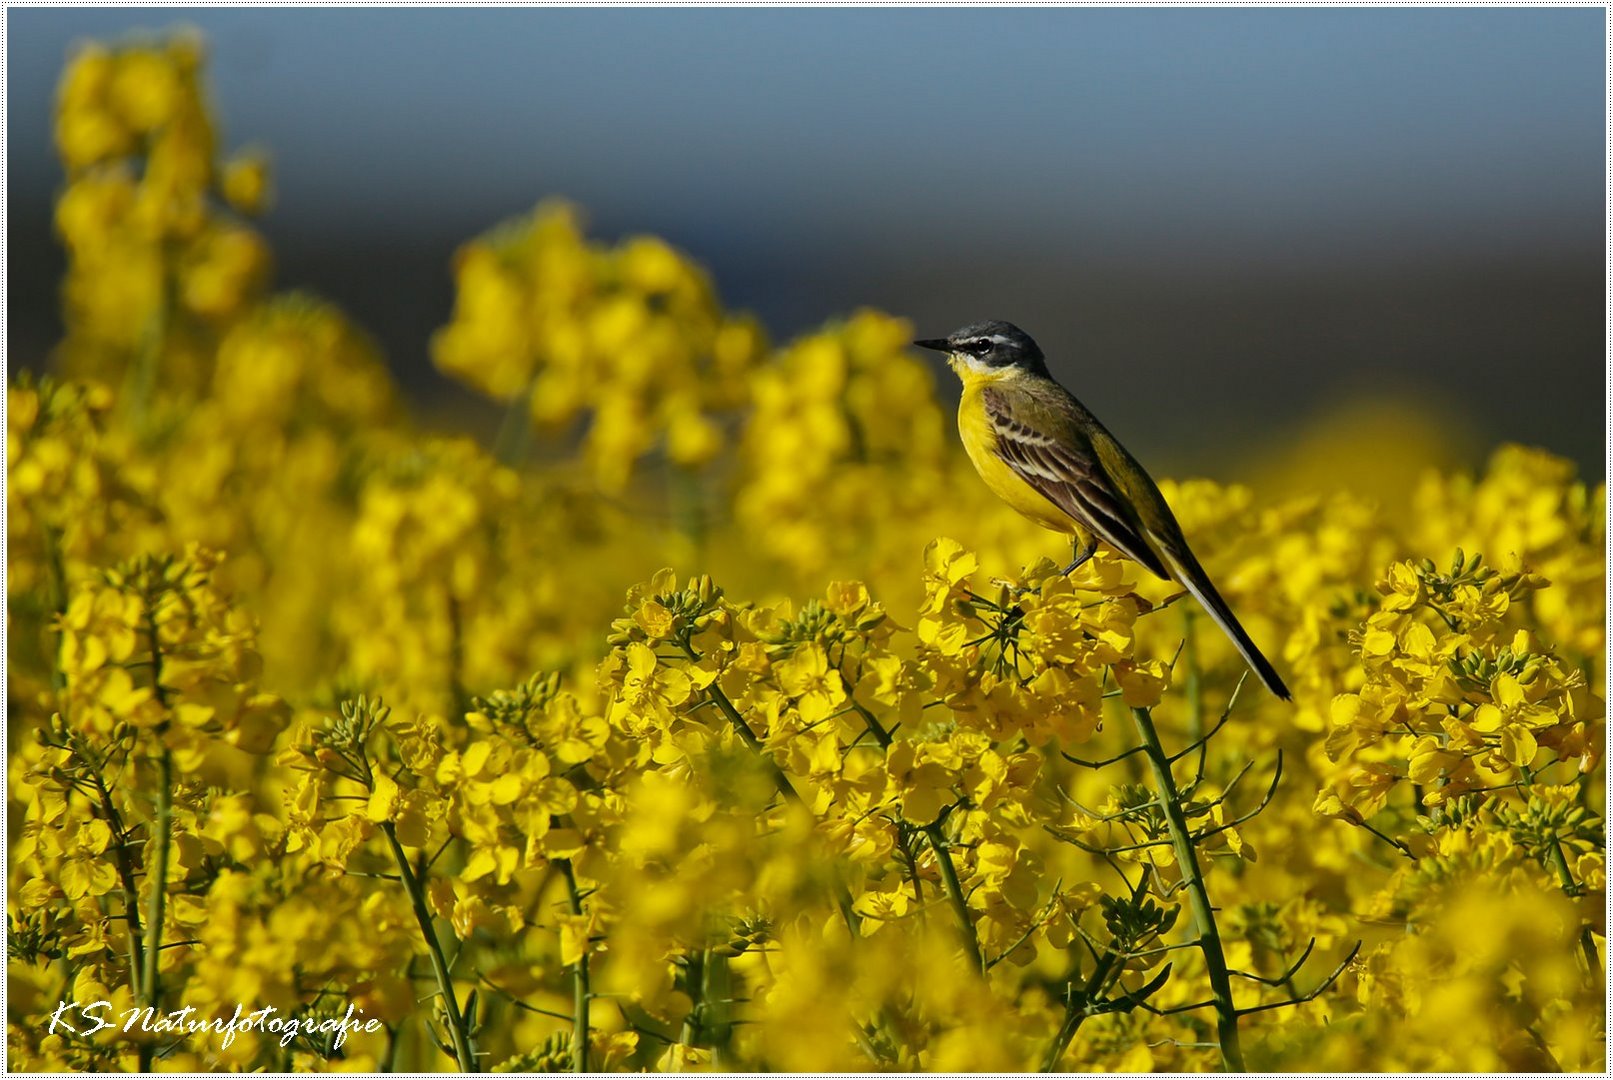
x=1043, y=453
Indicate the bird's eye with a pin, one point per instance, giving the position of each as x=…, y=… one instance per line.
x=980, y=348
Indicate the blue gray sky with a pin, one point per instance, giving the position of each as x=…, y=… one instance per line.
x=1302, y=201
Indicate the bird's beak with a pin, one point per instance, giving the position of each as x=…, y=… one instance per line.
x=938, y=344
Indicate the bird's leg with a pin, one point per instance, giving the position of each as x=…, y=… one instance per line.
x=1082, y=545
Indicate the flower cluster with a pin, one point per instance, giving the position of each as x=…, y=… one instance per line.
x=631, y=335
x=314, y=708
x=158, y=255
x=838, y=416
x=1455, y=701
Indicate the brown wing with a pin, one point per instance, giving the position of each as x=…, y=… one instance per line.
x=1043, y=443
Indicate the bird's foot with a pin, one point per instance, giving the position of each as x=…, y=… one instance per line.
x=1082, y=554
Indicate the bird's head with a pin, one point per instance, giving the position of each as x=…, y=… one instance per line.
x=991, y=347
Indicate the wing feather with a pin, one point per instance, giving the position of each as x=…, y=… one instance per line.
x=1052, y=443
x=1067, y=472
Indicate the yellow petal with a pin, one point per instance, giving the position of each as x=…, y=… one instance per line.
x=1518, y=744
x=385, y=794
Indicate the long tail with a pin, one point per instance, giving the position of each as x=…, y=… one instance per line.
x=1191, y=575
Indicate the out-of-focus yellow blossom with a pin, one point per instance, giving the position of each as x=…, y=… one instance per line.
x=1530, y=507
x=435, y=547
x=246, y=183
x=154, y=260
x=631, y=336
x=837, y=414
x=74, y=501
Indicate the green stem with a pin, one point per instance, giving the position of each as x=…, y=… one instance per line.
x=1104, y=973
x=580, y=991
x=943, y=855
x=389, y=1057
x=125, y=867
x=1565, y=877
x=688, y=505
x=715, y=695
x=1209, y=935
x=694, y=984
x=123, y=859
x=439, y=963
x=954, y=891
x=456, y=657
x=157, y=877
x=143, y=374
x=717, y=990
x=514, y=430
x=1572, y=888
x=1075, y=1013
x=906, y=843
x=157, y=867
x=58, y=602
x=870, y=721
x=1194, y=683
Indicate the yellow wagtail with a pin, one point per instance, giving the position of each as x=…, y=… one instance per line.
x=1044, y=454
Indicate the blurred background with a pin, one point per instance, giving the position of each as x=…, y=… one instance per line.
x=1227, y=228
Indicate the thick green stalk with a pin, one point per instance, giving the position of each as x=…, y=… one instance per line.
x=389, y=1058
x=717, y=992
x=157, y=876
x=581, y=994
x=457, y=1028
x=1570, y=887
x=122, y=858
x=157, y=866
x=1187, y=860
x=954, y=891
x=695, y=986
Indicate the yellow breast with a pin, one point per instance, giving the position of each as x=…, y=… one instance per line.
x=980, y=440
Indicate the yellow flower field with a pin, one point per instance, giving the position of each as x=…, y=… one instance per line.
x=715, y=715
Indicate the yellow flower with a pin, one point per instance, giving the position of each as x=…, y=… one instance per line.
x=1143, y=685
x=649, y=691
x=85, y=868
x=807, y=676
